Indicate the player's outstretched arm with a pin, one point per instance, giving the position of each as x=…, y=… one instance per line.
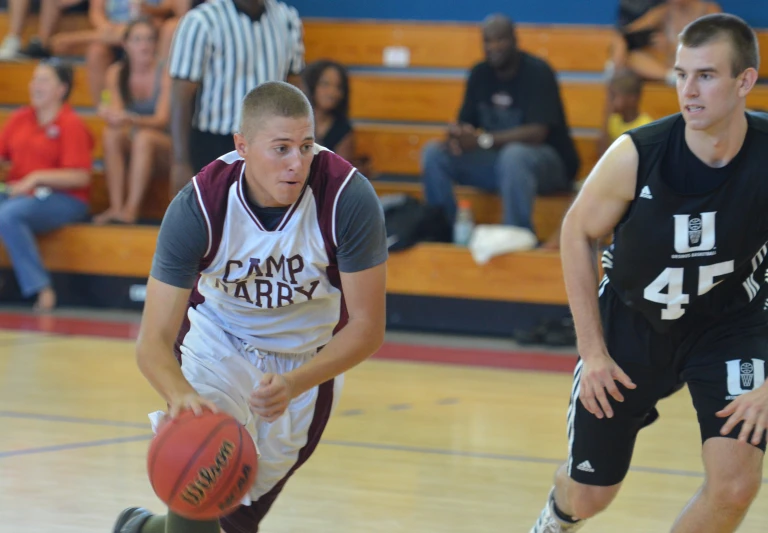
x=164, y=311
x=598, y=208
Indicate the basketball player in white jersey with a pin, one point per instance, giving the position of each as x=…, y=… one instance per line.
x=268, y=283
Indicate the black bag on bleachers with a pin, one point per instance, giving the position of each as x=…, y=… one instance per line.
x=409, y=221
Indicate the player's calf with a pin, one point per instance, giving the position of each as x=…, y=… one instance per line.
x=570, y=503
x=733, y=479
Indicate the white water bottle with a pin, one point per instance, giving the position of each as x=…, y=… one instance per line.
x=464, y=224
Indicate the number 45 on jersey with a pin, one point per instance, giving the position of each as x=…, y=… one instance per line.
x=701, y=233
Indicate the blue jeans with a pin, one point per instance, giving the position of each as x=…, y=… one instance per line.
x=21, y=217
x=518, y=171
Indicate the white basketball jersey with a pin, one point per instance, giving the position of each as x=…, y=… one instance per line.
x=278, y=290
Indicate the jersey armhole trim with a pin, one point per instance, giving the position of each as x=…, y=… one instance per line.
x=199, y=198
x=336, y=203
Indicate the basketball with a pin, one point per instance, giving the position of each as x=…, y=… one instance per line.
x=202, y=466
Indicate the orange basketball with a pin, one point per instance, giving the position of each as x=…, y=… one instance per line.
x=202, y=466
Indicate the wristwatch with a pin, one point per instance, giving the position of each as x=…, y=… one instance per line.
x=485, y=141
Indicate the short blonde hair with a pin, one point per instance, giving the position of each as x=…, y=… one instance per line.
x=272, y=99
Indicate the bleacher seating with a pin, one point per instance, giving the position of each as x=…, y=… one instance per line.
x=396, y=111
x=420, y=271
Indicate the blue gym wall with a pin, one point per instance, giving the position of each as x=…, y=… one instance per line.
x=542, y=11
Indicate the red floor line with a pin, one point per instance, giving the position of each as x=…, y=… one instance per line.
x=517, y=360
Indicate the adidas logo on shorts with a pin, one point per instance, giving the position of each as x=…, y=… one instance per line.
x=646, y=193
x=586, y=467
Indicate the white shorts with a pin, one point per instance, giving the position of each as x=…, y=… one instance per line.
x=225, y=370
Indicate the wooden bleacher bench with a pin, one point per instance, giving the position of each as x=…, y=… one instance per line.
x=393, y=148
x=547, y=214
x=441, y=270
x=431, y=45
x=412, y=97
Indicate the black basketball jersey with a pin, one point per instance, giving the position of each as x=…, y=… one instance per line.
x=692, y=256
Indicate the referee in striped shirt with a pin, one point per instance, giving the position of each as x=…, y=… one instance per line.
x=221, y=50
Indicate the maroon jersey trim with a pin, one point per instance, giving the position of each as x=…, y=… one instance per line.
x=336, y=203
x=201, y=205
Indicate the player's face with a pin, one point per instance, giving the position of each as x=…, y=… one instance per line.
x=277, y=159
x=706, y=89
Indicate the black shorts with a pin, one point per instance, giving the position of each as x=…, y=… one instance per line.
x=717, y=360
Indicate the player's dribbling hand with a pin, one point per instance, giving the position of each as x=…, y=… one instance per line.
x=599, y=375
x=752, y=408
x=271, y=398
x=192, y=401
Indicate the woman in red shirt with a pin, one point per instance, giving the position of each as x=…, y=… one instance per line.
x=48, y=149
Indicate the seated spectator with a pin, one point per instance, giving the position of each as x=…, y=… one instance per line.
x=109, y=19
x=136, y=140
x=624, y=41
x=327, y=86
x=511, y=136
x=624, y=93
x=50, y=13
x=662, y=24
x=623, y=114
x=48, y=148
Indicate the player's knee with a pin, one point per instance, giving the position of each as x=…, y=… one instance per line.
x=734, y=492
x=585, y=501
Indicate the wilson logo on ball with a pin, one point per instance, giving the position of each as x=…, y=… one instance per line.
x=241, y=486
x=195, y=492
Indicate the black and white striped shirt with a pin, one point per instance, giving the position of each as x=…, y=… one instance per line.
x=229, y=54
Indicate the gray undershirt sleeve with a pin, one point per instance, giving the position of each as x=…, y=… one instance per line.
x=361, y=234
x=182, y=241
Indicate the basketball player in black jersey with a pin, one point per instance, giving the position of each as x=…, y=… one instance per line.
x=683, y=300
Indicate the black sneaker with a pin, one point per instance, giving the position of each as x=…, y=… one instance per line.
x=131, y=520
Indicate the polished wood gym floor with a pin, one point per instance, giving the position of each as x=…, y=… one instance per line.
x=415, y=447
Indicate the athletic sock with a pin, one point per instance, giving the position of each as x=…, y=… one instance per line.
x=155, y=524
x=561, y=515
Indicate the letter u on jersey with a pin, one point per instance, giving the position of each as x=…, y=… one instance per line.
x=694, y=234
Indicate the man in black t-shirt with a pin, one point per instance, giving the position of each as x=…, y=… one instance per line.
x=512, y=136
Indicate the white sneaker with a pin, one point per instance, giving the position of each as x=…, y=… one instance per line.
x=549, y=523
x=10, y=47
